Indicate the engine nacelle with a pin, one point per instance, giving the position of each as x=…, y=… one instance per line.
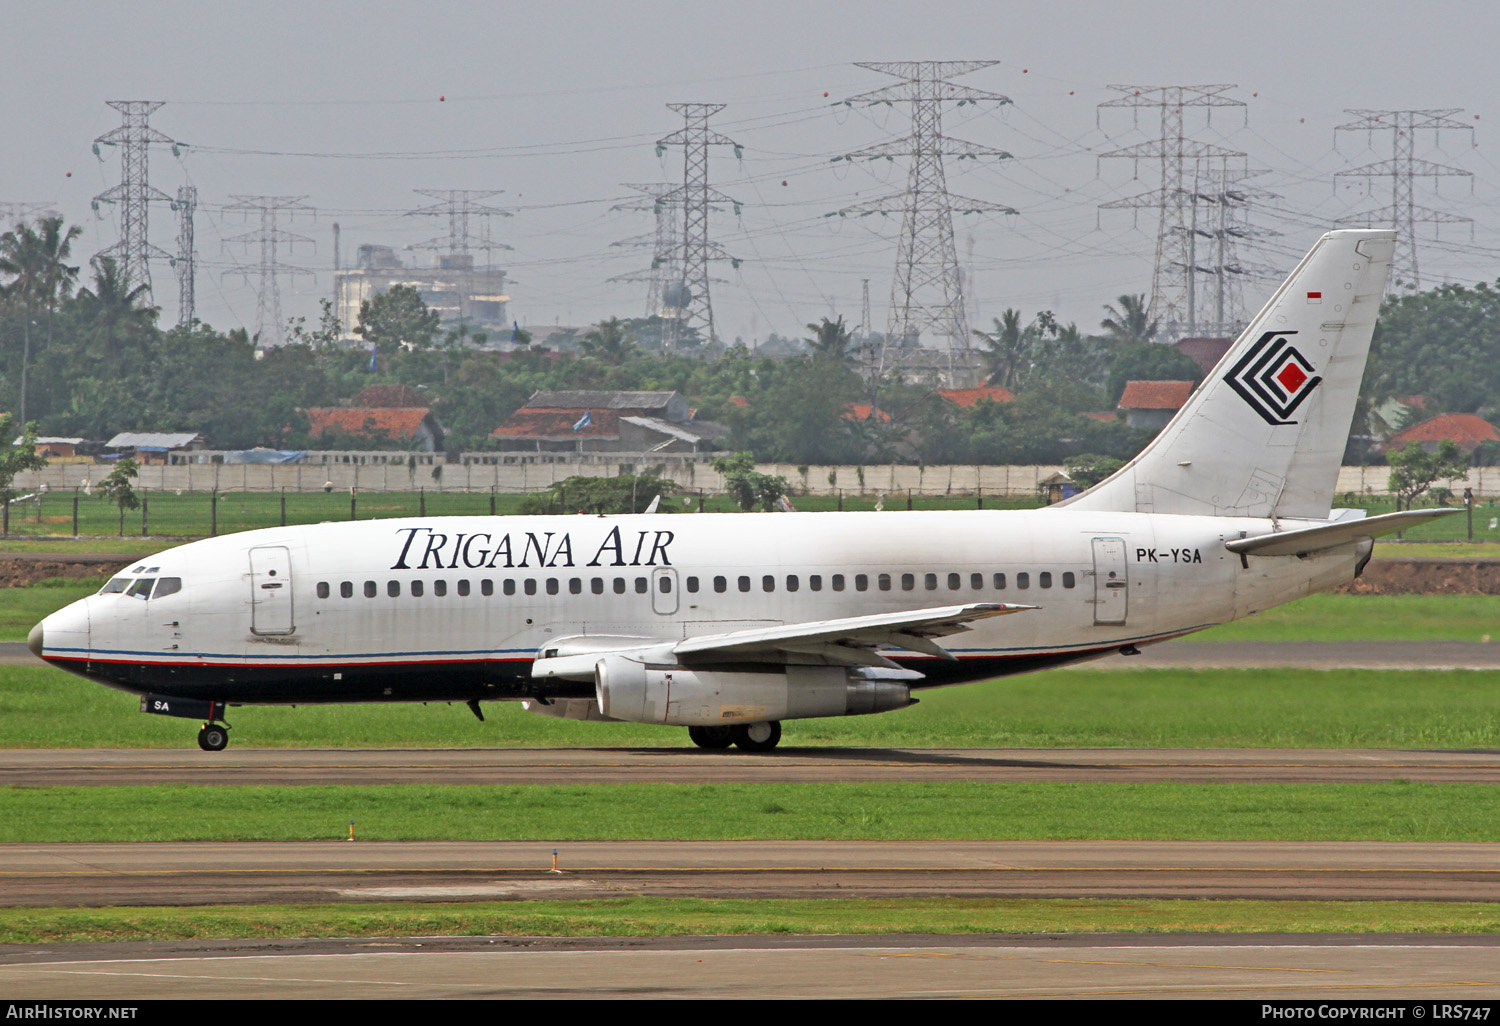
x=628, y=689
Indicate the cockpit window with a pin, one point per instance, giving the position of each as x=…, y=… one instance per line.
x=114, y=585
x=141, y=589
x=167, y=586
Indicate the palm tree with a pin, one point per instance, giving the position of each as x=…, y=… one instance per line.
x=35, y=257
x=1005, y=353
x=112, y=307
x=1129, y=324
x=609, y=341
x=831, y=341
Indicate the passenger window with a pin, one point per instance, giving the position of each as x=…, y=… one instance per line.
x=861, y=582
x=346, y=589
x=838, y=582
x=1045, y=578
x=1068, y=579
x=791, y=582
x=692, y=584
x=440, y=588
x=463, y=589
x=885, y=582
x=172, y=585
x=141, y=589
x=619, y=585
x=575, y=585
x=1023, y=581
x=641, y=586
x=954, y=582
x=552, y=586
x=721, y=585
x=815, y=582
x=417, y=588
x=371, y=589
x=768, y=583
x=529, y=586
x=113, y=585
x=393, y=589
x=323, y=589
x=596, y=585
x=999, y=582
x=929, y=581
x=744, y=583
x=664, y=584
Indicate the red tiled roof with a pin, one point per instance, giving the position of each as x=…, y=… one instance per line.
x=545, y=423
x=1108, y=418
x=389, y=397
x=1205, y=352
x=1466, y=429
x=966, y=397
x=1155, y=395
x=862, y=411
x=396, y=423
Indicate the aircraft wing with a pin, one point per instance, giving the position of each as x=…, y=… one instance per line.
x=1327, y=536
x=848, y=641
x=913, y=630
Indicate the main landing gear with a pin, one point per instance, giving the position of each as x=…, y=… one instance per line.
x=214, y=737
x=748, y=737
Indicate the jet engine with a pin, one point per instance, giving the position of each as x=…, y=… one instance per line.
x=629, y=689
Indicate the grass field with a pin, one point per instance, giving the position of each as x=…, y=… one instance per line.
x=959, y=811
x=662, y=917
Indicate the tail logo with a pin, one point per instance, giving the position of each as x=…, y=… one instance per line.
x=1273, y=378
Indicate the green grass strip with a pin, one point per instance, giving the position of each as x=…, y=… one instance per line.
x=829, y=811
x=661, y=917
x=46, y=708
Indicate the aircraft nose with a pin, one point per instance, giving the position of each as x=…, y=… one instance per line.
x=34, y=641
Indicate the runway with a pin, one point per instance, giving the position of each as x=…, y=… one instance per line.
x=294, y=766
x=1280, y=969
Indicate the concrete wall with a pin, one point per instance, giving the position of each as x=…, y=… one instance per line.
x=533, y=477
x=890, y=480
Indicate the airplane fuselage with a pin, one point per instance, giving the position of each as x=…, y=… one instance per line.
x=458, y=609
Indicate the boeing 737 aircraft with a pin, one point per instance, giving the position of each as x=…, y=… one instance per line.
x=730, y=624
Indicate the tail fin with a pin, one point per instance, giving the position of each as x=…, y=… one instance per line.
x=1264, y=434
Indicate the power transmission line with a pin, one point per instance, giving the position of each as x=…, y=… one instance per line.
x=697, y=198
x=1404, y=214
x=270, y=239
x=927, y=289
x=134, y=193
x=1172, y=276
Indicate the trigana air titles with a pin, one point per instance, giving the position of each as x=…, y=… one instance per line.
x=730, y=624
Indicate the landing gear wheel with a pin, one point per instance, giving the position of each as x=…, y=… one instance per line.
x=213, y=738
x=712, y=737
x=757, y=737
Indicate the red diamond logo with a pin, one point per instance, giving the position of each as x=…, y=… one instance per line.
x=1291, y=377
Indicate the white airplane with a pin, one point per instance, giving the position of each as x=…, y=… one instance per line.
x=728, y=625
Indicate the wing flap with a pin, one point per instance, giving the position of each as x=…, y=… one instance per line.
x=910, y=629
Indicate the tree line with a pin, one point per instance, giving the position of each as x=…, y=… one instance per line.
x=83, y=353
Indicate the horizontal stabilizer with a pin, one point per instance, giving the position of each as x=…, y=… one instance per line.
x=1327, y=536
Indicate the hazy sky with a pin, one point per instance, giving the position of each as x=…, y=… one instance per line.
x=356, y=105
